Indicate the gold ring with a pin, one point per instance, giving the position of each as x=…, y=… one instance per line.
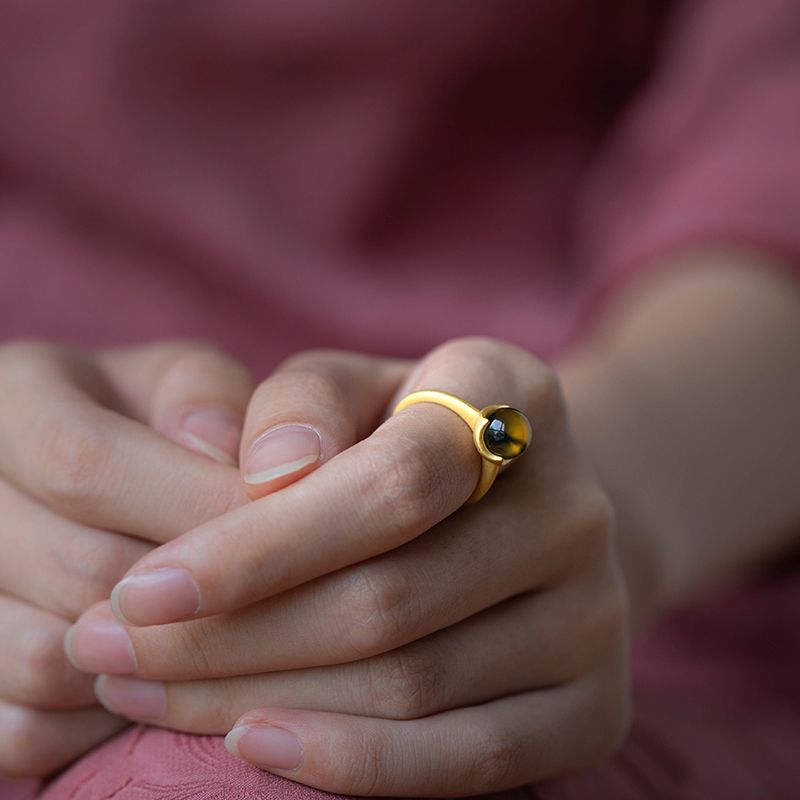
x=501, y=433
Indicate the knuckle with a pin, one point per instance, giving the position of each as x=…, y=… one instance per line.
x=105, y=563
x=217, y=501
x=409, y=483
x=378, y=609
x=513, y=367
x=195, y=644
x=482, y=354
x=175, y=349
x=470, y=354
x=229, y=704
x=364, y=772
x=20, y=750
x=604, y=624
x=207, y=709
x=305, y=360
x=194, y=357
x=39, y=666
x=23, y=365
x=471, y=347
x=29, y=349
x=496, y=763
x=617, y=716
x=590, y=526
x=407, y=486
x=406, y=685
x=90, y=567
x=612, y=615
x=67, y=458
x=199, y=645
x=547, y=396
x=22, y=351
x=597, y=522
x=313, y=385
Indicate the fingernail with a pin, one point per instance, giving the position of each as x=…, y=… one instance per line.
x=155, y=598
x=265, y=746
x=131, y=697
x=215, y=432
x=281, y=451
x=100, y=645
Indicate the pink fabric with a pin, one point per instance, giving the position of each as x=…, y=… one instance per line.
x=384, y=176
x=709, y=154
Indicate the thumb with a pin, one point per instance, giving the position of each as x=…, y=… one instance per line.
x=315, y=405
x=191, y=392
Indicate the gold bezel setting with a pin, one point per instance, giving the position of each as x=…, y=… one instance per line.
x=478, y=420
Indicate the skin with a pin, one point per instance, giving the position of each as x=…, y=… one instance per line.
x=346, y=581
x=685, y=400
x=392, y=676
x=79, y=450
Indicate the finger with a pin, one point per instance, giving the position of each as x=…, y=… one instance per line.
x=513, y=647
x=34, y=670
x=412, y=472
x=35, y=744
x=190, y=391
x=92, y=464
x=475, y=750
x=315, y=405
x=57, y=564
x=385, y=602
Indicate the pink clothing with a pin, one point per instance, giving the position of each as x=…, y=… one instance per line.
x=276, y=176
x=383, y=177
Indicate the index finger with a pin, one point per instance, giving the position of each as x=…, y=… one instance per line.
x=416, y=469
x=65, y=445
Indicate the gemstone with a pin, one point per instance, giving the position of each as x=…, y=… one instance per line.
x=508, y=433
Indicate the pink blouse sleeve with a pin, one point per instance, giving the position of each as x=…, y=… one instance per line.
x=708, y=153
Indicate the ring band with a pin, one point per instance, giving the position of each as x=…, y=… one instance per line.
x=501, y=433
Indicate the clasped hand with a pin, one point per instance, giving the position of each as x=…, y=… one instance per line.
x=331, y=603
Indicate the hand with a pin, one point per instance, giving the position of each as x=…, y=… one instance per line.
x=84, y=482
x=391, y=640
